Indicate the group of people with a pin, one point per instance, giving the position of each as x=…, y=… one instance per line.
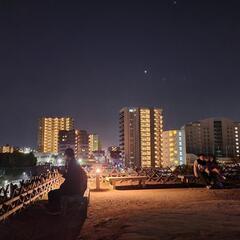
x=208, y=171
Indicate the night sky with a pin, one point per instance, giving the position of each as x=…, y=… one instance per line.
x=88, y=59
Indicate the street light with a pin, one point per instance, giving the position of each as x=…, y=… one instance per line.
x=98, y=171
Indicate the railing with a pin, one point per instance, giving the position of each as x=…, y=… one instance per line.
x=14, y=198
x=162, y=175
x=232, y=172
x=153, y=175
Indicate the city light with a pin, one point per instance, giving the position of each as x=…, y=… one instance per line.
x=60, y=162
x=5, y=183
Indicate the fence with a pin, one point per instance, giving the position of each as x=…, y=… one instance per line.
x=13, y=198
x=161, y=176
x=153, y=175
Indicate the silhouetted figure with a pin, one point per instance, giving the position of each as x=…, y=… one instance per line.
x=75, y=182
x=199, y=169
x=214, y=171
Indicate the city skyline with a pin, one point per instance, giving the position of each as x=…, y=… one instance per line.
x=89, y=60
x=105, y=144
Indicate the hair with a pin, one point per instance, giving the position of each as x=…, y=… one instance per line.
x=201, y=154
x=69, y=152
x=213, y=157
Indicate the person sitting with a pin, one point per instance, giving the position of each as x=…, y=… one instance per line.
x=75, y=182
x=199, y=169
x=214, y=170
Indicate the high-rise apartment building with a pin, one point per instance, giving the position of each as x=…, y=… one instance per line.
x=68, y=139
x=83, y=148
x=174, y=148
x=94, y=144
x=213, y=136
x=141, y=136
x=75, y=139
x=48, y=131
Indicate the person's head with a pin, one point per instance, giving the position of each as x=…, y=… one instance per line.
x=69, y=155
x=212, y=158
x=201, y=156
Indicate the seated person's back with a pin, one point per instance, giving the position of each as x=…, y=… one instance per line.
x=75, y=180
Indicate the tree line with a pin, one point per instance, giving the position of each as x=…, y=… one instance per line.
x=17, y=159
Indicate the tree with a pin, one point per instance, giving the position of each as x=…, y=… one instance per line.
x=17, y=159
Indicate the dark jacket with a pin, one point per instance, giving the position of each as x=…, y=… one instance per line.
x=75, y=180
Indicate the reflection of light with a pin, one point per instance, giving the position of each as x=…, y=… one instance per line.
x=5, y=183
x=98, y=170
x=79, y=160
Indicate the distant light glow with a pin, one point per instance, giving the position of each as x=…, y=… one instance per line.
x=59, y=162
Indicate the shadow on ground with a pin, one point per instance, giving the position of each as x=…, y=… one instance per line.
x=36, y=224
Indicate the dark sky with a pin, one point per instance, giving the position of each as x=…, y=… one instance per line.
x=87, y=59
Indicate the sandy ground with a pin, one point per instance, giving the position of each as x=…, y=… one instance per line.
x=163, y=214
x=136, y=215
